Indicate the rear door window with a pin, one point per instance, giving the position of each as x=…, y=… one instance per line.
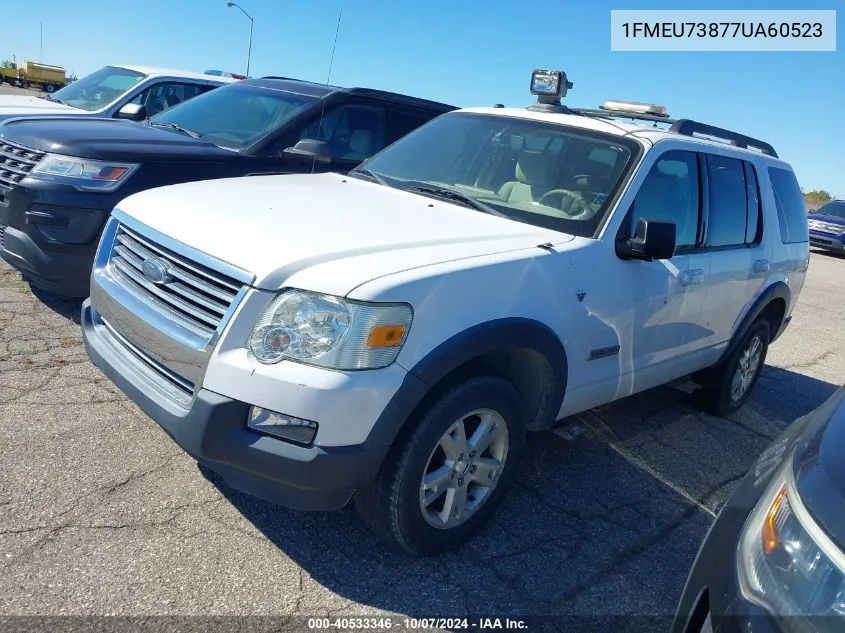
x=728, y=208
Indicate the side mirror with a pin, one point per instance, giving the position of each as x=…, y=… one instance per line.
x=133, y=112
x=652, y=240
x=310, y=149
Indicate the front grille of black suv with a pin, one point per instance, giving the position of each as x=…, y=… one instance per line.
x=16, y=161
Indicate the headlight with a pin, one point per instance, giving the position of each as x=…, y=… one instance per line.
x=787, y=564
x=330, y=331
x=90, y=175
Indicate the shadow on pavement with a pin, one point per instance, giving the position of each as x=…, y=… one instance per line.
x=68, y=308
x=585, y=531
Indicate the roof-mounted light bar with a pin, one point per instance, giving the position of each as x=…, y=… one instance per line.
x=635, y=107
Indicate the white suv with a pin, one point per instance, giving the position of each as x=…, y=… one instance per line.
x=115, y=92
x=390, y=335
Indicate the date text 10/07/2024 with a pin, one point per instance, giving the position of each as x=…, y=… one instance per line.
x=410, y=624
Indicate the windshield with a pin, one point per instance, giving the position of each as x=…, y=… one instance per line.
x=99, y=89
x=545, y=174
x=835, y=208
x=236, y=115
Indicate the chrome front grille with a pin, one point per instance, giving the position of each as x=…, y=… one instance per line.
x=16, y=161
x=827, y=227
x=163, y=319
x=169, y=383
x=2, y=235
x=192, y=295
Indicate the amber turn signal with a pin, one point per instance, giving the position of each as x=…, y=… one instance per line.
x=386, y=336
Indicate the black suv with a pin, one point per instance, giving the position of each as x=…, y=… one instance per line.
x=61, y=177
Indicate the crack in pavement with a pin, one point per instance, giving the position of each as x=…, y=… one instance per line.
x=814, y=361
x=605, y=434
x=629, y=553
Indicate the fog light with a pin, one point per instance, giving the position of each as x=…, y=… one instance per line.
x=284, y=426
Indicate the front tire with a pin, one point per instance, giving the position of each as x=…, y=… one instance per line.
x=50, y=88
x=727, y=386
x=446, y=479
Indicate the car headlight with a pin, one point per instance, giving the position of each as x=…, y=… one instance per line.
x=787, y=563
x=90, y=175
x=330, y=331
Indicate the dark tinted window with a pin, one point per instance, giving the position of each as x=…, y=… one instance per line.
x=835, y=208
x=728, y=207
x=754, y=228
x=670, y=193
x=792, y=214
x=403, y=122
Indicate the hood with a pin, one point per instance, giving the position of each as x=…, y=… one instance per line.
x=24, y=105
x=324, y=232
x=827, y=219
x=820, y=467
x=109, y=139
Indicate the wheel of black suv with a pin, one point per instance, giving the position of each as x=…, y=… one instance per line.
x=445, y=481
x=728, y=385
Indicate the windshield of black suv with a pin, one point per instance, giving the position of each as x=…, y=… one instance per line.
x=835, y=208
x=540, y=173
x=99, y=89
x=236, y=115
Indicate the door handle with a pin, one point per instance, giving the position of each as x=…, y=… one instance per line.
x=692, y=277
x=761, y=265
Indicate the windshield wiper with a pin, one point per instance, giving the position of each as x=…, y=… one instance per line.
x=456, y=196
x=178, y=128
x=370, y=175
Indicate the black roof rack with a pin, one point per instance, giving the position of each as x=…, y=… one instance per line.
x=685, y=127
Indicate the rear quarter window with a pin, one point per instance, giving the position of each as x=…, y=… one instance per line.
x=789, y=202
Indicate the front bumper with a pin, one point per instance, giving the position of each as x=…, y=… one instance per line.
x=827, y=241
x=213, y=431
x=51, y=234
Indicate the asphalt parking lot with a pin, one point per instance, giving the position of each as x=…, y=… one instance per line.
x=101, y=513
x=6, y=89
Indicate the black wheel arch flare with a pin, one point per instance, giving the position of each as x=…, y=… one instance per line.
x=461, y=349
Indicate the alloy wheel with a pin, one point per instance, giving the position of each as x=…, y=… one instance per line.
x=464, y=468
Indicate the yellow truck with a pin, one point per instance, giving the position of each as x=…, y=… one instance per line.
x=8, y=72
x=48, y=77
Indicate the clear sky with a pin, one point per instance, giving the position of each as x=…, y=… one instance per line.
x=468, y=52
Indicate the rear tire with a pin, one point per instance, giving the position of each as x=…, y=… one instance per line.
x=438, y=487
x=727, y=386
x=50, y=88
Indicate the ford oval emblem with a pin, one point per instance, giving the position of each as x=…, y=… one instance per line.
x=156, y=270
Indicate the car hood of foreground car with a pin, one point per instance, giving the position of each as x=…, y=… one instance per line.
x=324, y=232
x=820, y=467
